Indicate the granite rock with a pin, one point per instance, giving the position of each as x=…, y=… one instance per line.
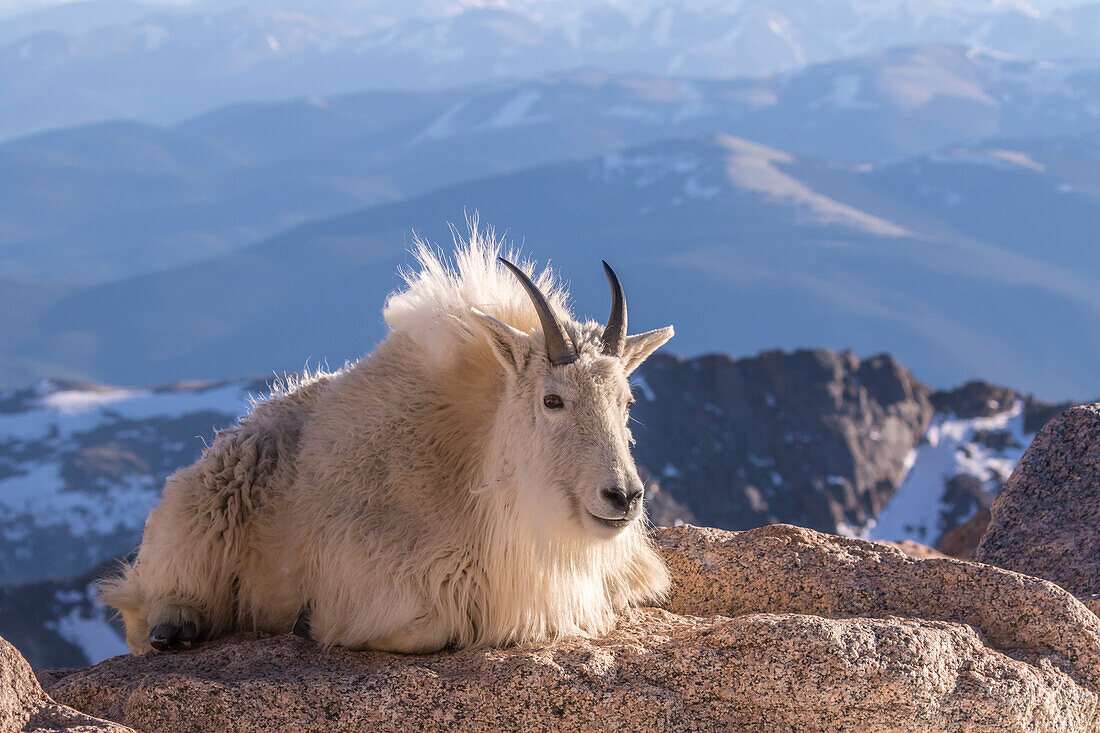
x=25, y=707
x=961, y=542
x=778, y=628
x=912, y=548
x=1046, y=519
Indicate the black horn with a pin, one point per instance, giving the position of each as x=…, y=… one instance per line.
x=558, y=346
x=614, y=334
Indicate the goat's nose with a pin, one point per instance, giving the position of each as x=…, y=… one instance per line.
x=621, y=499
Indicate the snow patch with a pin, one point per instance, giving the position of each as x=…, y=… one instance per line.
x=857, y=533
x=999, y=158
x=88, y=629
x=515, y=111
x=40, y=498
x=648, y=169
x=33, y=491
x=57, y=415
x=71, y=402
x=442, y=126
x=949, y=449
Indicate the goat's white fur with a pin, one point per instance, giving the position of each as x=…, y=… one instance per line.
x=416, y=498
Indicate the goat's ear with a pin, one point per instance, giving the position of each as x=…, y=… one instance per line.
x=510, y=345
x=639, y=346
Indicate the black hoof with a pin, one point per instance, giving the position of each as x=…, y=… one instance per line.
x=186, y=637
x=301, y=626
x=160, y=637
x=167, y=636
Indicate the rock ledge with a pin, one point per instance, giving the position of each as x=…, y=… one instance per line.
x=777, y=628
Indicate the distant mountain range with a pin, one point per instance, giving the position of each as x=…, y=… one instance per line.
x=932, y=200
x=106, y=60
x=972, y=259
x=818, y=438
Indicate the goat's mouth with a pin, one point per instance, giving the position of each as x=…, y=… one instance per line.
x=613, y=523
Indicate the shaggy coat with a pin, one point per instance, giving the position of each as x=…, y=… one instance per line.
x=421, y=497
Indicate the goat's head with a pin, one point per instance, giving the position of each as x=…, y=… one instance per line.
x=567, y=408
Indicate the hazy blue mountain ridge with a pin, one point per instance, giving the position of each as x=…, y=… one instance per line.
x=102, y=202
x=913, y=257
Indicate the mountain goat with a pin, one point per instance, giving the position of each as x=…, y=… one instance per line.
x=468, y=483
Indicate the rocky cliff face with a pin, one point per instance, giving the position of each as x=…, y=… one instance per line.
x=976, y=436
x=815, y=438
x=778, y=627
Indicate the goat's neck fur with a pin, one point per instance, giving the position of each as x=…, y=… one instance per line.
x=535, y=581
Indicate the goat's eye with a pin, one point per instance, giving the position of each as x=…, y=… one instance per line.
x=553, y=402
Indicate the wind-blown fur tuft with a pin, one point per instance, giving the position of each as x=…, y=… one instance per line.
x=434, y=309
x=410, y=500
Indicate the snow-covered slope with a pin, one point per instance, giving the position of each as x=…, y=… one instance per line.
x=59, y=623
x=81, y=466
x=957, y=469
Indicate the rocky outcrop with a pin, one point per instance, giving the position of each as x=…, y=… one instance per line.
x=914, y=549
x=778, y=628
x=25, y=707
x=1046, y=519
x=979, y=398
x=976, y=398
x=961, y=541
x=813, y=437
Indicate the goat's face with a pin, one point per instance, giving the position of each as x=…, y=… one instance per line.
x=579, y=466
x=566, y=414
